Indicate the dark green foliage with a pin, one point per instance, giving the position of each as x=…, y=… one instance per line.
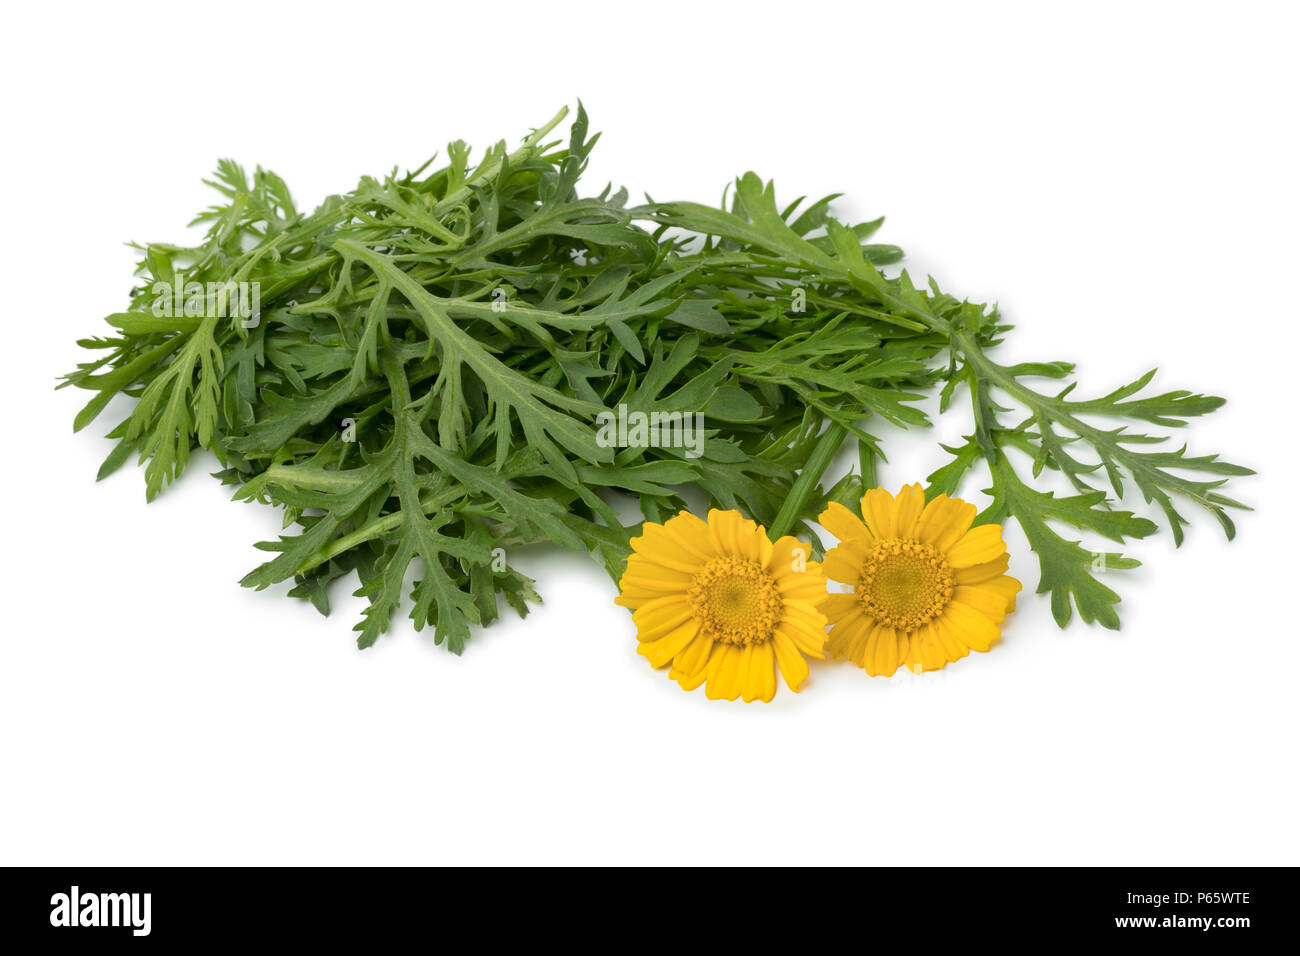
x=433, y=350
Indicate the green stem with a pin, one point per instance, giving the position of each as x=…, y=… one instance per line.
x=809, y=479
x=867, y=463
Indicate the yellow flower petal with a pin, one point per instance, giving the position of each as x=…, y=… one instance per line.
x=695, y=657
x=840, y=566
x=803, y=614
x=782, y=559
x=658, y=586
x=656, y=618
x=662, y=651
x=884, y=651
x=793, y=666
x=878, y=512
x=924, y=650
x=969, y=626
x=844, y=524
x=761, y=682
x=979, y=573
x=944, y=521
x=1007, y=586
x=689, y=681
x=641, y=566
x=809, y=642
x=725, y=673
x=907, y=509
x=977, y=546
x=849, y=636
x=838, y=606
x=953, y=648
x=685, y=533
x=810, y=588
x=724, y=533
x=985, y=600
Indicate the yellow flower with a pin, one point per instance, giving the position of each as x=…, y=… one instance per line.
x=927, y=587
x=724, y=605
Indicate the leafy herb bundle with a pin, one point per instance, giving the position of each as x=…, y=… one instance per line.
x=434, y=348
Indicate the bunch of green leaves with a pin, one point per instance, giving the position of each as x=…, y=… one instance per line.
x=434, y=348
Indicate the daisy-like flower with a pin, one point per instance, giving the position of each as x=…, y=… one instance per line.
x=724, y=605
x=927, y=587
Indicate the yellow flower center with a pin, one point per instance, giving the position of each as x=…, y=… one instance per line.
x=737, y=601
x=904, y=583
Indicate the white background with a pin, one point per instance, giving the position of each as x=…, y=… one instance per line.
x=1122, y=179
